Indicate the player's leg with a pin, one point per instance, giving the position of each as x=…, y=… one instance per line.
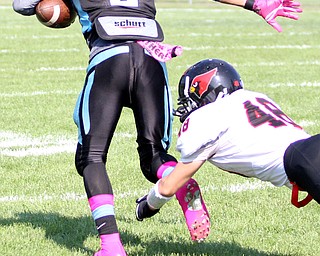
x=96, y=114
x=153, y=114
x=302, y=165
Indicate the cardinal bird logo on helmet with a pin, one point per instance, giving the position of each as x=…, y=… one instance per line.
x=200, y=84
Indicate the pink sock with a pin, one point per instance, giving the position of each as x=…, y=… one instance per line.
x=99, y=200
x=101, y=205
x=165, y=169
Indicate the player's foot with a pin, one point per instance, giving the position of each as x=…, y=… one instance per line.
x=142, y=209
x=195, y=210
x=110, y=246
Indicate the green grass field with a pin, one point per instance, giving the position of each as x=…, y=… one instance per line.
x=43, y=207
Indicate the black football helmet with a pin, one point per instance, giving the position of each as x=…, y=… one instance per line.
x=203, y=83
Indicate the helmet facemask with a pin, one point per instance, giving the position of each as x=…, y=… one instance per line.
x=185, y=104
x=185, y=107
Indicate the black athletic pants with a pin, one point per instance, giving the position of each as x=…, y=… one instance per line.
x=123, y=76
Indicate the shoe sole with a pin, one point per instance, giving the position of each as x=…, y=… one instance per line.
x=199, y=228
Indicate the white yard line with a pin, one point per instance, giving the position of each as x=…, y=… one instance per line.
x=41, y=50
x=37, y=93
x=72, y=196
x=23, y=145
x=204, y=47
x=241, y=35
x=61, y=69
x=290, y=84
x=251, y=47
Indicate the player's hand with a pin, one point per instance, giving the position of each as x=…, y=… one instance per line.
x=26, y=8
x=271, y=9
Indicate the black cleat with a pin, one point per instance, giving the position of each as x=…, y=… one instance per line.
x=143, y=210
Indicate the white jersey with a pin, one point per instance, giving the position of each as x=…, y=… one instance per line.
x=244, y=132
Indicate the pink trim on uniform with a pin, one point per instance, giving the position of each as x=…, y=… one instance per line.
x=99, y=200
x=160, y=51
x=164, y=167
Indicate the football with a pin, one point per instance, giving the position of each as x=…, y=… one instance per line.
x=55, y=13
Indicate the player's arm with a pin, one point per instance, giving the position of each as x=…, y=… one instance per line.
x=269, y=9
x=25, y=7
x=166, y=187
x=170, y=184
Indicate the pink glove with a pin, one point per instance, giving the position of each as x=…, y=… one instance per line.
x=271, y=9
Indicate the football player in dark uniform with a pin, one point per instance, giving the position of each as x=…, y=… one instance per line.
x=127, y=69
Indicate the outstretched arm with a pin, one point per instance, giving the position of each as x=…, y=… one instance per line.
x=269, y=10
x=25, y=7
x=166, y=187
x=170, y=184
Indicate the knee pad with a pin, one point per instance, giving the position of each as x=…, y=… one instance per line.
x=151, y=159
x=79, y=163
x=84, y=157
x=92, y=150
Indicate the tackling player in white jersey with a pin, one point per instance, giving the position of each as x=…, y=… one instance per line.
x=238, y=131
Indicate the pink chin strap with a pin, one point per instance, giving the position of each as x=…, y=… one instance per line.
x=295, y=196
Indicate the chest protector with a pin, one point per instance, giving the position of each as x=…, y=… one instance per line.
x=124, y=19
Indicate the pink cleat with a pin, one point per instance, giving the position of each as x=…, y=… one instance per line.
x=104, y=252
x=111, y=246
x=195, y=210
